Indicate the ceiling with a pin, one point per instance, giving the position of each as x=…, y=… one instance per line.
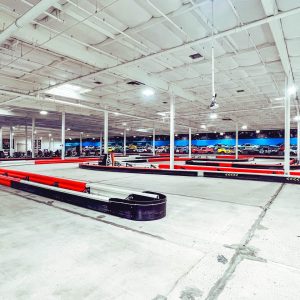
x=93, y=49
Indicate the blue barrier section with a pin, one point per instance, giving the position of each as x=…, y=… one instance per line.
x=183, y=143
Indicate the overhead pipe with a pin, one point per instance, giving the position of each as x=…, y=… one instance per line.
x=26, y=18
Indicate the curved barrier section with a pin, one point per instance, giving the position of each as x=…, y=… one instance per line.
x=144, y=206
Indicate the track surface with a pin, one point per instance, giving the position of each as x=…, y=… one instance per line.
x=196, y=252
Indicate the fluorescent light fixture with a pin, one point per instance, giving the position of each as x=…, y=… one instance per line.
x=221, y=133
x=116, y=113
x=127, y=129
x=124, y=124
x=148, y=92
x=244, y=127
x=70, y=139
x=257, y=131
x=41, y=138
x=81, y=132
x=68, y=90
x=93, y=139
x=142, y=130
x=68, y=129
x=203, y=126
x=122, y=133
x=43, y=112
x=134, y=136
x=278, y=99
x=297, y=118
x=213, y=116
x=292, y=90
x=164, y=114
x=35, y=132
x=50, y=134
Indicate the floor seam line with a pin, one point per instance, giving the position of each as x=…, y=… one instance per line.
x=238, y=256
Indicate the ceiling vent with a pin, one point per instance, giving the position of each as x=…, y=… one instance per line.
x=240, y=91
x=195, y=56
x=97, y=82
x=226, y=119
x=135, y=83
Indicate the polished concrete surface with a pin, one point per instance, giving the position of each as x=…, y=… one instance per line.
x=221, y=239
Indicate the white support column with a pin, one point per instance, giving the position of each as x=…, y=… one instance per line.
x=11, y=142
x=153, y=142
x=80, y=144
x=26, y=139
x=32, y=137
x=172, y=129
x=236, y=141
x=105, y=132
x=63, y=134
x=298, y=140
x=100, y=144
x=124, y=143
x=287, y=130
x=1, y=138
x=190, y=142
x=49, y=148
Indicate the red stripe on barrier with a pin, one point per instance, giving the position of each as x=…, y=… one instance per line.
x=167, y=159
x=69, y=184
x=64, y=161
x=226, y=169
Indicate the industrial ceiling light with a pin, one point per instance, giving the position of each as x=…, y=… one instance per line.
x=127, y=129
x=213, y=116
x=297, y=118
x=257, y=131
x=244, y=127
x=213, y=104
x=292, y=90
x=124, y=124
x=148, y=92
x=43, y=112
x=221, y=133
x=68, y=129
x=116, y=113
x=203, y=126
x=68, y=90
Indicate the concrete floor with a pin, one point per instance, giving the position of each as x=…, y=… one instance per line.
x=221, y=239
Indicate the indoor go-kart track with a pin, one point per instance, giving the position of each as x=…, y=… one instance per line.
x=217, y=237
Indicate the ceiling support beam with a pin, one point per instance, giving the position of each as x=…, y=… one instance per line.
x=25, y=19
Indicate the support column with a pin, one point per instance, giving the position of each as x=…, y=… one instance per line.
x=236, y=141
x=49, y=148
x=287, y=130
x=105, y=132
x=172, y=129
x=32, y=137
x=1, y=138
x=80, y=144
x=63, y=134
x=190, y=142
x=124, y=143
x=153, y=142
x=100, y=144
x=26, y=139
x=11, y=142
x=298, y=140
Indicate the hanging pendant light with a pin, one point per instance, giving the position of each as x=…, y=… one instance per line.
x=213, y=104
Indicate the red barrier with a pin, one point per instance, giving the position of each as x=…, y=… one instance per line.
x=227, y=169
x=63, y=161
x=69, y=184
x=167, y=159
x=6, y=180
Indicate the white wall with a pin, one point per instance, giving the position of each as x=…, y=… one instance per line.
x=20, y=144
